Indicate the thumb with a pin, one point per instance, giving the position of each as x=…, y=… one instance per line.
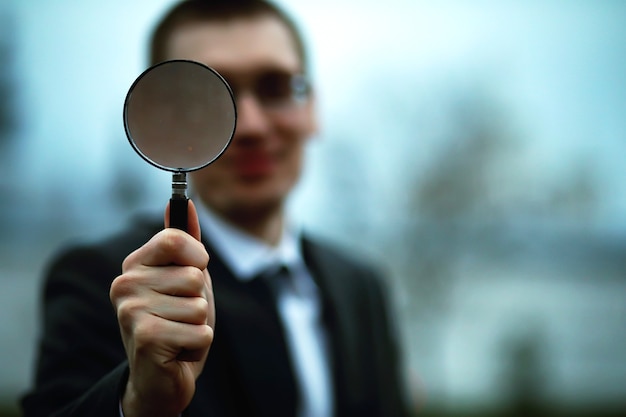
x=193, y=224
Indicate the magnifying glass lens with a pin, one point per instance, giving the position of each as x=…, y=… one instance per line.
x=179, y=116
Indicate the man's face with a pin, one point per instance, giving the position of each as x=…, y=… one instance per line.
x=264, y=159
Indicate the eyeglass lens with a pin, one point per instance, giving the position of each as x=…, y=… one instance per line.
x=275, y=88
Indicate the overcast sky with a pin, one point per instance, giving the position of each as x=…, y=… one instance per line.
x=557, y=68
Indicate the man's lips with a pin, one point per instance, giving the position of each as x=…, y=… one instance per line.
x=253, y=164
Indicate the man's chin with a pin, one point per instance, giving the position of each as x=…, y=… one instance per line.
x=253, y=211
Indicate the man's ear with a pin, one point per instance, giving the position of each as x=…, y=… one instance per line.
x=311, y=117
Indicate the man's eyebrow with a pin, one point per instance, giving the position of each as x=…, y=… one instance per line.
x=261, y=70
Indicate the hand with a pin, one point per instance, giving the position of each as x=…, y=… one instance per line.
x=165, y=309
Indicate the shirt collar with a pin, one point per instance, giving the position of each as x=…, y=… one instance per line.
x=246, y=255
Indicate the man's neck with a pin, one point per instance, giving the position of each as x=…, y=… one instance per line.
x=266, y=225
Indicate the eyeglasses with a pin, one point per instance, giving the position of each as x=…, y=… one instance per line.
x=274, y=89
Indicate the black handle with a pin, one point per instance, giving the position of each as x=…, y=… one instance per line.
x=178, y=213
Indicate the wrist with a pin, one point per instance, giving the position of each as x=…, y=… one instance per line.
x=134, y=405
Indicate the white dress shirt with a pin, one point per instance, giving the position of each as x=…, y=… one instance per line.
x=299, y=306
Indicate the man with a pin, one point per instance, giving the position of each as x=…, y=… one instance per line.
x=228, y=339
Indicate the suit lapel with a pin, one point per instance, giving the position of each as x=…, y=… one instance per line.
x=340, y=317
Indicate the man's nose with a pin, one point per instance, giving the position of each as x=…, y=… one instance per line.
x=251, y=117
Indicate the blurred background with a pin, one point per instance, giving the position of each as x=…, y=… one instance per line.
x=476, y=148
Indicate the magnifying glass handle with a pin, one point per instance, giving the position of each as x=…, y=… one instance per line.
x=179, y=201
x=178, y=213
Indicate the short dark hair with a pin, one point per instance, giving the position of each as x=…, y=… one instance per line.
x=191, y=11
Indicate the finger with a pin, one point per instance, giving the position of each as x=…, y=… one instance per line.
x=174, y=280
x=190, y=310
x=169, y=246
x=208, y=295
x=193, y=224
x=168, y=338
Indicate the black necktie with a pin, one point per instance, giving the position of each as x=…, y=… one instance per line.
x=273, y=361
x=273, y=279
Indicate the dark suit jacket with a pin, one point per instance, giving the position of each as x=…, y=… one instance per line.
x=82, y=368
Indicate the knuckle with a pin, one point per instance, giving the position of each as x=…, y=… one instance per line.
x=149, y=329
x=131, y=260
x=128, y=261
x=145, y=332
x=205, y=258
x=171, y=240
x=128, y=312
x=200, y=310
x=195, y=279
x=121, y=287
x=206, y=335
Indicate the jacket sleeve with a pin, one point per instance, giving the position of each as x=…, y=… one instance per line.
x=80, y=366
x=388, y=355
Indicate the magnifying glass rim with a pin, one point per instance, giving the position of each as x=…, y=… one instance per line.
x=129, y=135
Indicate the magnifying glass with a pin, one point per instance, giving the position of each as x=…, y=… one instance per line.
x=179, y=116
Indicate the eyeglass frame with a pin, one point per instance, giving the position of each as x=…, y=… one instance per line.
x=299, y=91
